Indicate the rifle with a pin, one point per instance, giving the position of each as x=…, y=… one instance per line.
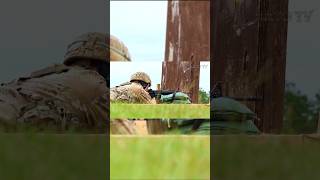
x=157, y=93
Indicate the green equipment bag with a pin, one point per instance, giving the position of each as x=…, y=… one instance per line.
x=192, y=126
x=175, y=98
x=231, y=117
x=233, y=127
x=227, y=109
x=180, y=126
x=215, y=127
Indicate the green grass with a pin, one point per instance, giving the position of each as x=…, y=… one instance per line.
x=160, y=157
x=83, y=157
x=265, y=158
x=172, y=111
x=52, y=157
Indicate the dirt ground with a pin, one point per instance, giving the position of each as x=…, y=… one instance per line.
x=141, y=127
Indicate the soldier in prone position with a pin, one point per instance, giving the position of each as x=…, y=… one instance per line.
x=135, y=91
x=69, y=96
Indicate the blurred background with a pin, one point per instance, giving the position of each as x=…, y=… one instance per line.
x=35, y=34
x=302, y=93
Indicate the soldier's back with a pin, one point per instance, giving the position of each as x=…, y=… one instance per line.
x=130, y=93
x=61, y=97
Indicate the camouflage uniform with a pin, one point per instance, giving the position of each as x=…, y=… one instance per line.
x=133, y=92
x=119, y=52
x=65, y=96
x=56, y=98
x=130, y=92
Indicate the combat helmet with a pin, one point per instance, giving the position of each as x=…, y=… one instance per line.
x=118, y=50
x=141, y=76
x=95, y=46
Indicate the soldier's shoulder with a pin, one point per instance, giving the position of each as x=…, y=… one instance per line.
x=136, y=89
x=125, y=84
x=124, y=87
x=119, y=93
x=55, y=68
x=130, y=92
x=139, y=94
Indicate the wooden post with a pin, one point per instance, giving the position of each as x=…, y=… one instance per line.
x=248, y=46
x=187, y=43
x=155, y=126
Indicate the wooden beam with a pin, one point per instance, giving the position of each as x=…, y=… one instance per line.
x=249, y=54
x=187, y=43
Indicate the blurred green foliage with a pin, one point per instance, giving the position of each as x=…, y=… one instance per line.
x=300, y=112
x=53, y=156
x=203, y=97
x=265, y=157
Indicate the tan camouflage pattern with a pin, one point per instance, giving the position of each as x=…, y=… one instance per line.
x=64, y=97
x=89, y=45
x=95, y=46
x=118, y=50
x=130, y=93
x=56, y=98
x=141, y=76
